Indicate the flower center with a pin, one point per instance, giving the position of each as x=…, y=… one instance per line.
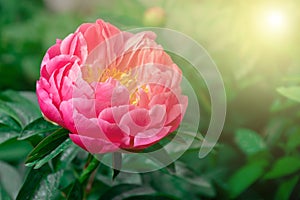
x=124, y=77
x=128, y=79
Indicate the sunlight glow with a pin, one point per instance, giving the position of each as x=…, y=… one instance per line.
x=272, y=23
x=275, y=20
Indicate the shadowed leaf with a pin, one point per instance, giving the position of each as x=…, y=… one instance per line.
x=292, y=92
x=284, y=166
x=47, y=145
x=38, y=126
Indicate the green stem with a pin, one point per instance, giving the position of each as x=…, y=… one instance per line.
x=92, y=165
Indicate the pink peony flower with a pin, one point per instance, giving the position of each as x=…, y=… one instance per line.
x=111, y=89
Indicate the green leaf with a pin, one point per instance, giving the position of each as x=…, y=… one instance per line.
x=162, y=158
x=47, y=145
x=7, y=133
x=32, y=182
x=245, y=177
x=9, y=122
x=137, y=162
x=67, y=156
x=76, y=191
x=5, y=108
x=18, y=107
x=284, y=166
x=171, y=137
x=38, y=126
x=38, y=163
x=275, y=129
x=7, y=174
x=3, y=194
x=40, y=184
x=281, y=105
x=178, y=186
x=120, y=191
x=286, y=188
x=151, y=197
x=249, y=141
x=292, y=92
x=203, y=184
x=14, y=150
x=9, y=128
x=48, y=187
x=153, y=157
x=30, y=96
x=293, y=141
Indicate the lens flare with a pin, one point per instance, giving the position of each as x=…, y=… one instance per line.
x=275, y=20
x=273, y=24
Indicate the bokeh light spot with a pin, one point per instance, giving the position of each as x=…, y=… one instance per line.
x=275, y=20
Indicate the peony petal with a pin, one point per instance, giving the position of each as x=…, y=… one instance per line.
x=135, y=121
x=83, y=27
x=175, y=111
x=178, y=109
x=75, y=44
x=159, y=74
x=142, y=140
x=66, y=110
x=114, y=133
x=85, y=106
x=114, y=114
x=120, y=96
x=65, y=47
x=46, y=105
x=103, y=96
x=52, y=52
x=92, y=37
x=98, y=33
x=87, y=126
x=158, y=116
x=58, y=62
x=53, y=90
x=80, y=87
x=94, y=145
x=144, y=99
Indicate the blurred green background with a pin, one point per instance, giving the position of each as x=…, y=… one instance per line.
x=256, y=46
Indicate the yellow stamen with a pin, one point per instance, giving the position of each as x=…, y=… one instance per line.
x=126, y=78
